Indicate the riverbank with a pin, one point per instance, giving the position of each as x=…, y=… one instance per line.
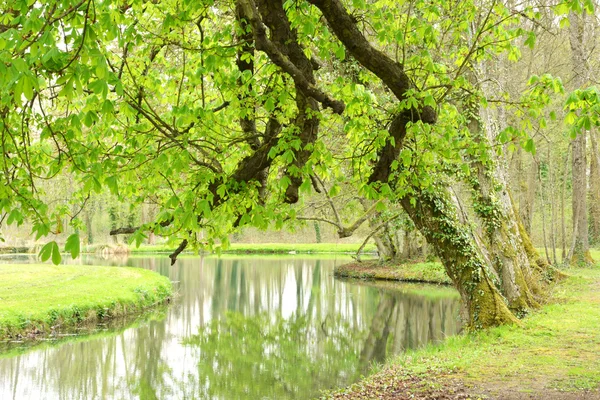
x=234, y=248
x=38, y=299
x=553, y=355
x=427, y=272
x=264, y=248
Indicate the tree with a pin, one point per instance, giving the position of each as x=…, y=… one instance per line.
x=225, y=114
x=580, y=249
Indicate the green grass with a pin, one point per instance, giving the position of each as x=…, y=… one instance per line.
x=432, y=272
x=595, y=253
x=34, y=298
x=556, y=348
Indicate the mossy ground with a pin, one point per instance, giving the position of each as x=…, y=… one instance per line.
x=554, y=354
x=430, y=272
x=35, y=298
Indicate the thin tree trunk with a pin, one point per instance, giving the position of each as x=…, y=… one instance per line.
x=527, y=205
x=594, y=195
x=552, y=180
x=563, y=194
x=543, y=210
x=581, y=249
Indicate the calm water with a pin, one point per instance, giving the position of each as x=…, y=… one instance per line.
x=241, y=328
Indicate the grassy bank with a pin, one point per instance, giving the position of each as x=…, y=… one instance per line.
x=430, y=272
x=109, y=328
x=553, y=355
x=35, y=298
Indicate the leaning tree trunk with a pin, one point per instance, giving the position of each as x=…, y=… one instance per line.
x=436, y=217
x=433, y=213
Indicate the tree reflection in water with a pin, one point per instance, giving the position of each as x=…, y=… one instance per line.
x=242, y=327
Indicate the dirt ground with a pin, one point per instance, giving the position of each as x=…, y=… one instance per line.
x=400, y=386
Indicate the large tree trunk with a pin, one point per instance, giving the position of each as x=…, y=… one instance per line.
x=436, y=217
x=432, y=212
x=494, y=208
x=518, y=280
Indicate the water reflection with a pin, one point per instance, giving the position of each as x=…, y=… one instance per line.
x=242, y=327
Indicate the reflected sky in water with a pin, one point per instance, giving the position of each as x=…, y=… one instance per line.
x=241, y=328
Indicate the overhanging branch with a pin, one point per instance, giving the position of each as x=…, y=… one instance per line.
x=248, y=8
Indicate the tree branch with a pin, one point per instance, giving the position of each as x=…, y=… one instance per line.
x=173, y=256
x=348, y=231
x=377, y=228
x=248, y=8
x=390, y=72
x=320, y=220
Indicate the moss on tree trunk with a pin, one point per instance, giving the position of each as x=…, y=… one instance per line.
x=435, y=216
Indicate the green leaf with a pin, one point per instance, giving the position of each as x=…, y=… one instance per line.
x=309, y=28
x=15, y=216
x=41, y=229
x=530, y=146
x=570, y=118
x=46, y=252
x=586, y=123
x=334, y=191
x=111, y=182
x=530, y=41
x=270, y=104
x=340, y=52
x=50, y=250
x=18, y=91
x=73, y=245
x=101, y=71
x=56, y=257
x=27, y=87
